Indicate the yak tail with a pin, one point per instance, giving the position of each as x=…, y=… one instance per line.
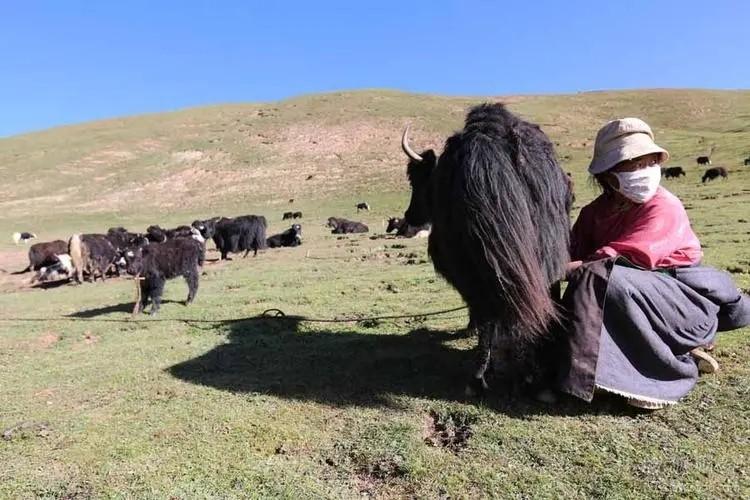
x=24, y=271
x=76, y=256
x=514, y=196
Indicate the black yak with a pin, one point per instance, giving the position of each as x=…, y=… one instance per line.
x=406, y=230
x=91, y=254
x=159, y=262
x=747, y=161
x=287, y=215
x=292, y=237
x=363, y=206
x=240, y=234
x=156, y=234
x=122, y=239
x=207, y=228
x=498, y=202
x=713, y=173
x=344, y=226
x=703, y=160
x=296, y=215
x=675, y=172
x=45, y=254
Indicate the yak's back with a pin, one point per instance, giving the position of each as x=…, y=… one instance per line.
x=500, y=224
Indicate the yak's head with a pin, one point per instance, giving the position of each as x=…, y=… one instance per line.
x=156, y=234
x=333, y=222
x=132, y=260
x=296, y=229
x=207, y=228
x=418, y=171
x=393, y=224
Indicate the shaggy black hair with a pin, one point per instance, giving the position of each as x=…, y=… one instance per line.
x=498, y=202
x=159, y=262
x=241, y=234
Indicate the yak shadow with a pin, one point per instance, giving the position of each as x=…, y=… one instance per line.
x=101, y=311
x=47, y=285
x=273, y=356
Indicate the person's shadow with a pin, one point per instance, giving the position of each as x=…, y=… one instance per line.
x=274, y=356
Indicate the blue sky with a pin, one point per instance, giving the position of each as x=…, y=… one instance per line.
x=71, y=61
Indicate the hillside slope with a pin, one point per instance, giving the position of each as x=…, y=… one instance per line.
x=263, y=154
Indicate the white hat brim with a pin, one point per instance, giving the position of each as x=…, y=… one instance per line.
x=630, y=146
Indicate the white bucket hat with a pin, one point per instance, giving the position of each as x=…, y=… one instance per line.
x=621, y=140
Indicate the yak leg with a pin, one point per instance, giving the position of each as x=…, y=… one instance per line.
x=156, y=290
x=478, y=385
x=141, y=296
x=192, y=282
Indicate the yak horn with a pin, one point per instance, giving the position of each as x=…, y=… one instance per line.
x=405, y=145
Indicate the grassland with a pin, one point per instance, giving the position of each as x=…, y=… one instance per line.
x=209, y=401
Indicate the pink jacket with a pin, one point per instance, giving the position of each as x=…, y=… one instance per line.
x=656, y=234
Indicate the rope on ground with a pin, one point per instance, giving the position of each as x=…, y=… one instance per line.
x=268, y=314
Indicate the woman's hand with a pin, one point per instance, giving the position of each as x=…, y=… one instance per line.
x=571, y=267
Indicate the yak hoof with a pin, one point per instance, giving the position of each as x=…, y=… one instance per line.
x=546, y=396
x=477, y=387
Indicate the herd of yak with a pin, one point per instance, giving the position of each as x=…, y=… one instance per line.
x=161, y=254
x=495, y=205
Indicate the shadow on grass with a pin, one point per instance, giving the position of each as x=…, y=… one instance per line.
x=101, y=311
x=48, y=285
x=354, y=369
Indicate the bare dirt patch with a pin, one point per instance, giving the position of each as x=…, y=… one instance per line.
x=26, y=430
x=12, y=262
x=450, y=430
x=47, y=340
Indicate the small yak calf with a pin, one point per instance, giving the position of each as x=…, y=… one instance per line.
x=158, y=262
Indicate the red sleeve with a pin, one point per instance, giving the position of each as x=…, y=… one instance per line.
x=580, y=244
x=653, y=235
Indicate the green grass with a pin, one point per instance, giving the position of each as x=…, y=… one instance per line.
x=199, y=402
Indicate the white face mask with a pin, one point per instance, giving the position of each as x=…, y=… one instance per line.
x=641, y=185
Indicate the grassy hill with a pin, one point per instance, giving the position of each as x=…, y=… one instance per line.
x=235, y=158
x=209, y=401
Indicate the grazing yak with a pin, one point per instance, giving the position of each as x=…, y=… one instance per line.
x=675, y=172
x=713, y=173
x=45, y=254
x=23, y=237
x=287, y=215
x=406, y=230
x=363, y=206
x=297, y=215
x=292, y=237
x=159, y=262
x=91, y=254
x=344, y=226
x=240, y=234
x=703, y=160
x=498, y=202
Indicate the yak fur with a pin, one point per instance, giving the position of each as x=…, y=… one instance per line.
x=498, y=202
